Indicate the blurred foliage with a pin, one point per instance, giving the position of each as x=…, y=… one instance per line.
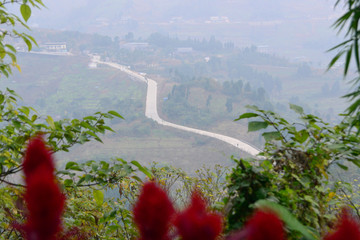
x=295, y=167
x=180, y=184
x=348, y=24
x=19, y=123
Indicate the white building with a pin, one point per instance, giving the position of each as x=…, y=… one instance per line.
x=92, y=65
x=55, y=47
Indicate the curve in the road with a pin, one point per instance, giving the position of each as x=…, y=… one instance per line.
x=151, y=111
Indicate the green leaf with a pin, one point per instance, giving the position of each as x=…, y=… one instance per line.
x=297, y=108
x=355, y=161
x=25, y=11
x=68, y=182
x=50, y=121
x=256, y=125
x=96, y=137
x=356, y=50
x=12, y=56
x=339, y=45
x=12, y=92
x=347, y=61
x=301, y=136
x=137, y=178
x=33, y=118
x=271, y=136
x=25, y=119
x=17, y=124
x=335, y=59
x=73, y=166
x=246, y=115
x=25, y=110
x=115, y=114
x=337, y=146
x=142, y=169
x=11, y=47
x=86, y=178
x=343, y=167
x=90, y=118
x=290, y=221
x=252, y=107
x=98, y=196
x=28, y=43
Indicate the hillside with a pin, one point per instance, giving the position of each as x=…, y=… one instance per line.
x=66, y=87
x=206, y=88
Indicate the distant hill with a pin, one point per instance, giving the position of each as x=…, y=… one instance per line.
x=80, y=13
x=296, y=29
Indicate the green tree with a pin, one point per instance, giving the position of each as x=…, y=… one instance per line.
x=296, y=161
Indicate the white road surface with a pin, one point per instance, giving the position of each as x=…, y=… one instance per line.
x=151, y=111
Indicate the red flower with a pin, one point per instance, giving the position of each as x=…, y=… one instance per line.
x=347, y=228
x=45, y=204
x=195, y=223
x=263, y=225
x=153, y=213
x=37, y=155
x=44, y=200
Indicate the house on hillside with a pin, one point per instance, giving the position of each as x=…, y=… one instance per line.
x=55, y=47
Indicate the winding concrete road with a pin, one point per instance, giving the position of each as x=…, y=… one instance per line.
x=151, y=111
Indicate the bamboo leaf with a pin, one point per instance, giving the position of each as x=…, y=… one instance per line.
x=347, y=60
x=335, y=59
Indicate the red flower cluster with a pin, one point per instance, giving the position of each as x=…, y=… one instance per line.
x=154, y=214
x=37, y=154
x=347, y=228
x=263, y=225
x=196, y=223
x=43, y=197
